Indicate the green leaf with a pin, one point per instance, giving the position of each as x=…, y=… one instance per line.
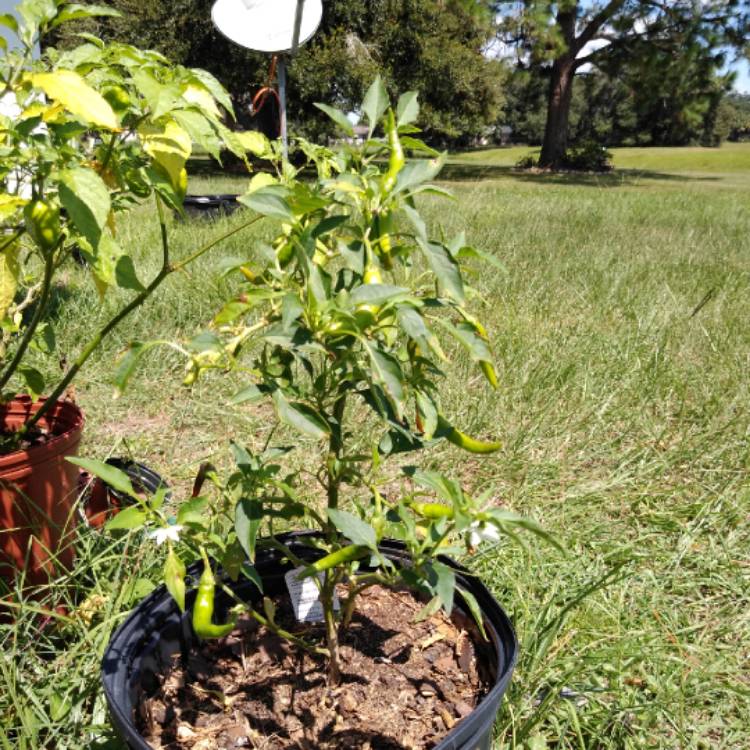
x=415, y=327
x=268, y=202
x=446, y=489
x=248, y=517
x=353, y=528
x=110, y=475
x=125, y=274
x=174, y=578
x=443, y=582
x=475, y=610
x=129, y=362
x=69, y=89
x=465, y=334
x=191, y=511
x=388, y=374
x=418, y=171
x=377, y=294
x=9, y=21
x=337, y=116
x=249, y=393
x=429, y=414
x=130, y=518
x=300, y=416
x=75, y=12
x=502, y=517
x=375, y=103
x=252, y=574
x=86, y=199
x=472, y=252
x=8, y=278
x=255, y=142
x=445, y=269
x=329, y=224
x=407, y=109
x=34, y=380
x=213, y=86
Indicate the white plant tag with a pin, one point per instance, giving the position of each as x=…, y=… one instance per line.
x=306, y=597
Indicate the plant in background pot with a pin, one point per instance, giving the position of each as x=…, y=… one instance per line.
x=84, y=135
x=335, y=327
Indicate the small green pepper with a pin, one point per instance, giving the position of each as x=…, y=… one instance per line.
x=42, y=224
x=396, y=160
x=433, y=511
x=339, y=557
x=460, y=439
x=203, y=609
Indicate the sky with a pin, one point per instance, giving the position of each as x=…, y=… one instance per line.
x=742, y=82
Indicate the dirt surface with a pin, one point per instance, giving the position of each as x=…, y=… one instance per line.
x=405, y=685
x=9, y=442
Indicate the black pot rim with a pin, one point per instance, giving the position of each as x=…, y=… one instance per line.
x=462, y=737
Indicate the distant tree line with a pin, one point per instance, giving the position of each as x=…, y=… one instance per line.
x=654, y=77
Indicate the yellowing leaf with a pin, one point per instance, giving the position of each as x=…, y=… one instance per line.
x=201, y=98
x=169, y=146
x=254, y=142
x=70, y=90
x=8, y=278
x=261, y=180
x=9, y=204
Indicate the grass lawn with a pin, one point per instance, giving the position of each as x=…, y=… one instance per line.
x=621, y=329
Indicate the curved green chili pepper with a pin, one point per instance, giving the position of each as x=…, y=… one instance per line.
x=203, y=609
x=460, y=439
x=396, y=160
x=339, y=557
x=433, y=511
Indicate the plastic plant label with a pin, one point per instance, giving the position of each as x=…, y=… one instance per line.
x=305, y=596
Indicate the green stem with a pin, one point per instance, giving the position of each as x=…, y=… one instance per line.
x=10, y=370
x=332, y=633
x=335, y=447
x=137, y=301
x=311, y=648
x=348, y=611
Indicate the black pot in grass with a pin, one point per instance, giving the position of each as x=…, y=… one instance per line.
x=210, y=206
x=142, y=649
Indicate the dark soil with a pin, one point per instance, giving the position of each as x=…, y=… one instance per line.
x=10, y=441
x=405, y=685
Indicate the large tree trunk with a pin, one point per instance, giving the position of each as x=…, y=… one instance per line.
x=558, y=111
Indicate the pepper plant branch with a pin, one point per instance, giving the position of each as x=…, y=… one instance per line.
x=49, y=264
x=134, y=304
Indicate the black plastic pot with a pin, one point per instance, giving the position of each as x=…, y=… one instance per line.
x=210, y=206
x=141, y=649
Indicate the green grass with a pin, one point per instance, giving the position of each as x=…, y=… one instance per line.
x=621, y=331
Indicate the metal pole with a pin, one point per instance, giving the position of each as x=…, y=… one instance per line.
x=281, y=73
x=297, y=25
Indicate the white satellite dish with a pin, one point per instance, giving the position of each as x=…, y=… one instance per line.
x=267, y=25
x=272, y=26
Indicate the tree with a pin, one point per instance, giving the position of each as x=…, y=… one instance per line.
x=434, y=46
x=570, y=34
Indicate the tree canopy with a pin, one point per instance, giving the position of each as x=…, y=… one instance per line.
x=434, y=46
x=569, y=35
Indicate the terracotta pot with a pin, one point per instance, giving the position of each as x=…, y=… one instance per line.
x=38, y=489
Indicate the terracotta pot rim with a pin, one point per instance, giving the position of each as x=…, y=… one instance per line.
x=65, y=415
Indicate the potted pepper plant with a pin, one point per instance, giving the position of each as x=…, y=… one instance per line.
x=85, y=134
x=340, y=636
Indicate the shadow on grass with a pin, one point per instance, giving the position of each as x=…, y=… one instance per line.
x=476, y=172
x=465, y=172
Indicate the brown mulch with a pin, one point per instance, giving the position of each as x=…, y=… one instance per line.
x=405, y=685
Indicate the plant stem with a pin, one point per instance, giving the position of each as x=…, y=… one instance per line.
x=335, y=446
x=273, y=627
x=33, y=323
x=332, y=632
